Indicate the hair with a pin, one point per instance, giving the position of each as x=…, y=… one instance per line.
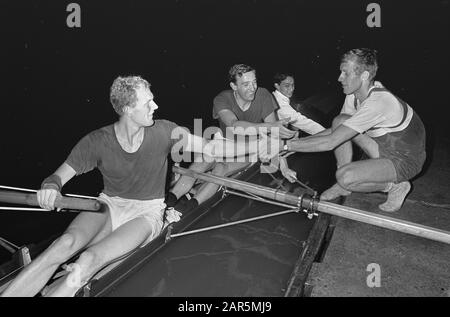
x=238, y=70
x=123, y=92
x=365, y=59
x=280, y=76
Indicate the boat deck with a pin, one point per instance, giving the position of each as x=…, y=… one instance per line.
x=410, y=266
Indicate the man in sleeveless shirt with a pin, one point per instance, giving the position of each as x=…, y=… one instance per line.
x=389, y=132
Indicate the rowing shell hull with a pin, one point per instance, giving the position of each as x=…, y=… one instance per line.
x=269, y=257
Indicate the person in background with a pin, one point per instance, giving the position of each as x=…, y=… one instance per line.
x=284, y=84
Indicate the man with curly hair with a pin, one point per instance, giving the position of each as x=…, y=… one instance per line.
x=387, y=129
x=132, y=156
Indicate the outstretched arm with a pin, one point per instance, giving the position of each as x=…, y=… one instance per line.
x=298, y=120
x=322, y=142
x=220, y=147
x=250, y=128
x=265, y=147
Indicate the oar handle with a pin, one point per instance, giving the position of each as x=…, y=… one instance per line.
x=77, y=203
x=30, y=199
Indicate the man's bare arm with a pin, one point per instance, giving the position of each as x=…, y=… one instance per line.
x=322, y=142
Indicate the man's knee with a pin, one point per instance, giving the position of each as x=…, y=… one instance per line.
x=63, y=247
x=200, y=166
x=89, y=258
x=219, y=170
x=339, y=119
x=345, y=177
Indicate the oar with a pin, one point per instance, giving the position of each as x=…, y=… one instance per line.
x=308, y=202
x=69, y=203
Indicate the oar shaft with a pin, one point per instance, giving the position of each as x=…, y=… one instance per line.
x=326, y=207
x=385, y=221
x=259, y=190
x=30, y=199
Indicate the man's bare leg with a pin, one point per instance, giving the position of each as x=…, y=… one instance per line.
x=344, y=154
x=106, y=230
x=34, y=276
x=185, y=183
x=375, y=175
x=361, y=176
x=334, y=192
x=367, y=175
x=207, y=190
x=124, y=239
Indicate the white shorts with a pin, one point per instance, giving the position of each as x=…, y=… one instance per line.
x=123, y=210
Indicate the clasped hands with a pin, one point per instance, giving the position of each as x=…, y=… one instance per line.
x=271, y=144
x=271, y=139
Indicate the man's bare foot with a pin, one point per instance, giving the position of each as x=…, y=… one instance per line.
x=334, y=192
x=67, y=285
x=51, y=287
x=396, y=196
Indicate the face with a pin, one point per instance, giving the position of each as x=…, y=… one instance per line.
x=142, y=112
x=246, y=86
x=351, y=82
x=286, y=87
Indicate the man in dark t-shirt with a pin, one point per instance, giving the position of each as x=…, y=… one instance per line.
x=245, y=111
x=261, y=107
x=131, y=155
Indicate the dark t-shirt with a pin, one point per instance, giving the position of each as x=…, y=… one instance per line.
x=140, y=175
x=262, y=106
